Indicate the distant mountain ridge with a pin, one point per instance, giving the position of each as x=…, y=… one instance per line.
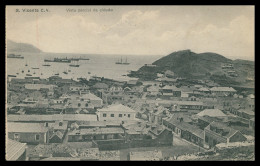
x=21, y=47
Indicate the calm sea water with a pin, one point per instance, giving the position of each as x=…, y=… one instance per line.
x=98, y=65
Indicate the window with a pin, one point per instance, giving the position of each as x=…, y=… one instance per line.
x=214, y=142
x=79, y=104
x=37, y=137
x=206, y=139
x=104, y=115
x=16, y=136
x=128, y=115
x=120, y=115
x=112, y=115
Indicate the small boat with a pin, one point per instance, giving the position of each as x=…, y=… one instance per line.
x=74, y=65
x=26, y=64
x=11, y=75
x=89, y=72
x=46, y=64
x=28, y=75
x=35, y=67
x=69, y=70
x=57, y=74
x=22, y=71
x=17, y=73
x=65, y=72
x=28, y=71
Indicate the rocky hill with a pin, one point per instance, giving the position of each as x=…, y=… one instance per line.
x=21, y=47
x=187, y=64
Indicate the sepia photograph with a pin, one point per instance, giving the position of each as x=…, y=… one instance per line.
x=130, y=83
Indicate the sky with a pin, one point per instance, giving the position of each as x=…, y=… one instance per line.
x=135, y=30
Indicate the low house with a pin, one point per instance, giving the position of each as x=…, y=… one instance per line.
x=156, y=115
x=39, y=86
x=180, y=125
x=244, y=113
x=189, y=105
x=131, y=83
x=116, y=112
x=115, y=89
x=171, y=91
x=27, y=132
x=223, y=91
x=98, y=133
x=216, y=133
x=153, y=90
x=212, y=113
x=15, y=151
x=100, y=85
x=84, y=101
x=204, y=90
x=161, y=135
x=169, y=74
x=76, y=88
x=111, y=96
x=56, y=137
x=51, y=118
x=136, y=131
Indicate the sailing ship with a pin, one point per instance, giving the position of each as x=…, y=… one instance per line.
x=122, y=63
x=59, y=60
x=83, y=58
x=75, y=64
x=15, y=56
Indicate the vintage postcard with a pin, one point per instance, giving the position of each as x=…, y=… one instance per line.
x=170, y=83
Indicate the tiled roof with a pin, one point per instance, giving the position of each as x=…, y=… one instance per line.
x=229, y=131
x=13, y=148
x=62, y=127
x=95, y=131
x=212, y=113
x=26, y=127
x=90, y=96
x=117, y=108
x=224, y=89
x=55, y=117
x=247, y=111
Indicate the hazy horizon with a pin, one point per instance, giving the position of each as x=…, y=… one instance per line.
x=136, y=30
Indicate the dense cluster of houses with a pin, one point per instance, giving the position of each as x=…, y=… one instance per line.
x=113, y=115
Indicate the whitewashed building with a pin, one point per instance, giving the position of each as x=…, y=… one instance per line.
x=116, y=112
